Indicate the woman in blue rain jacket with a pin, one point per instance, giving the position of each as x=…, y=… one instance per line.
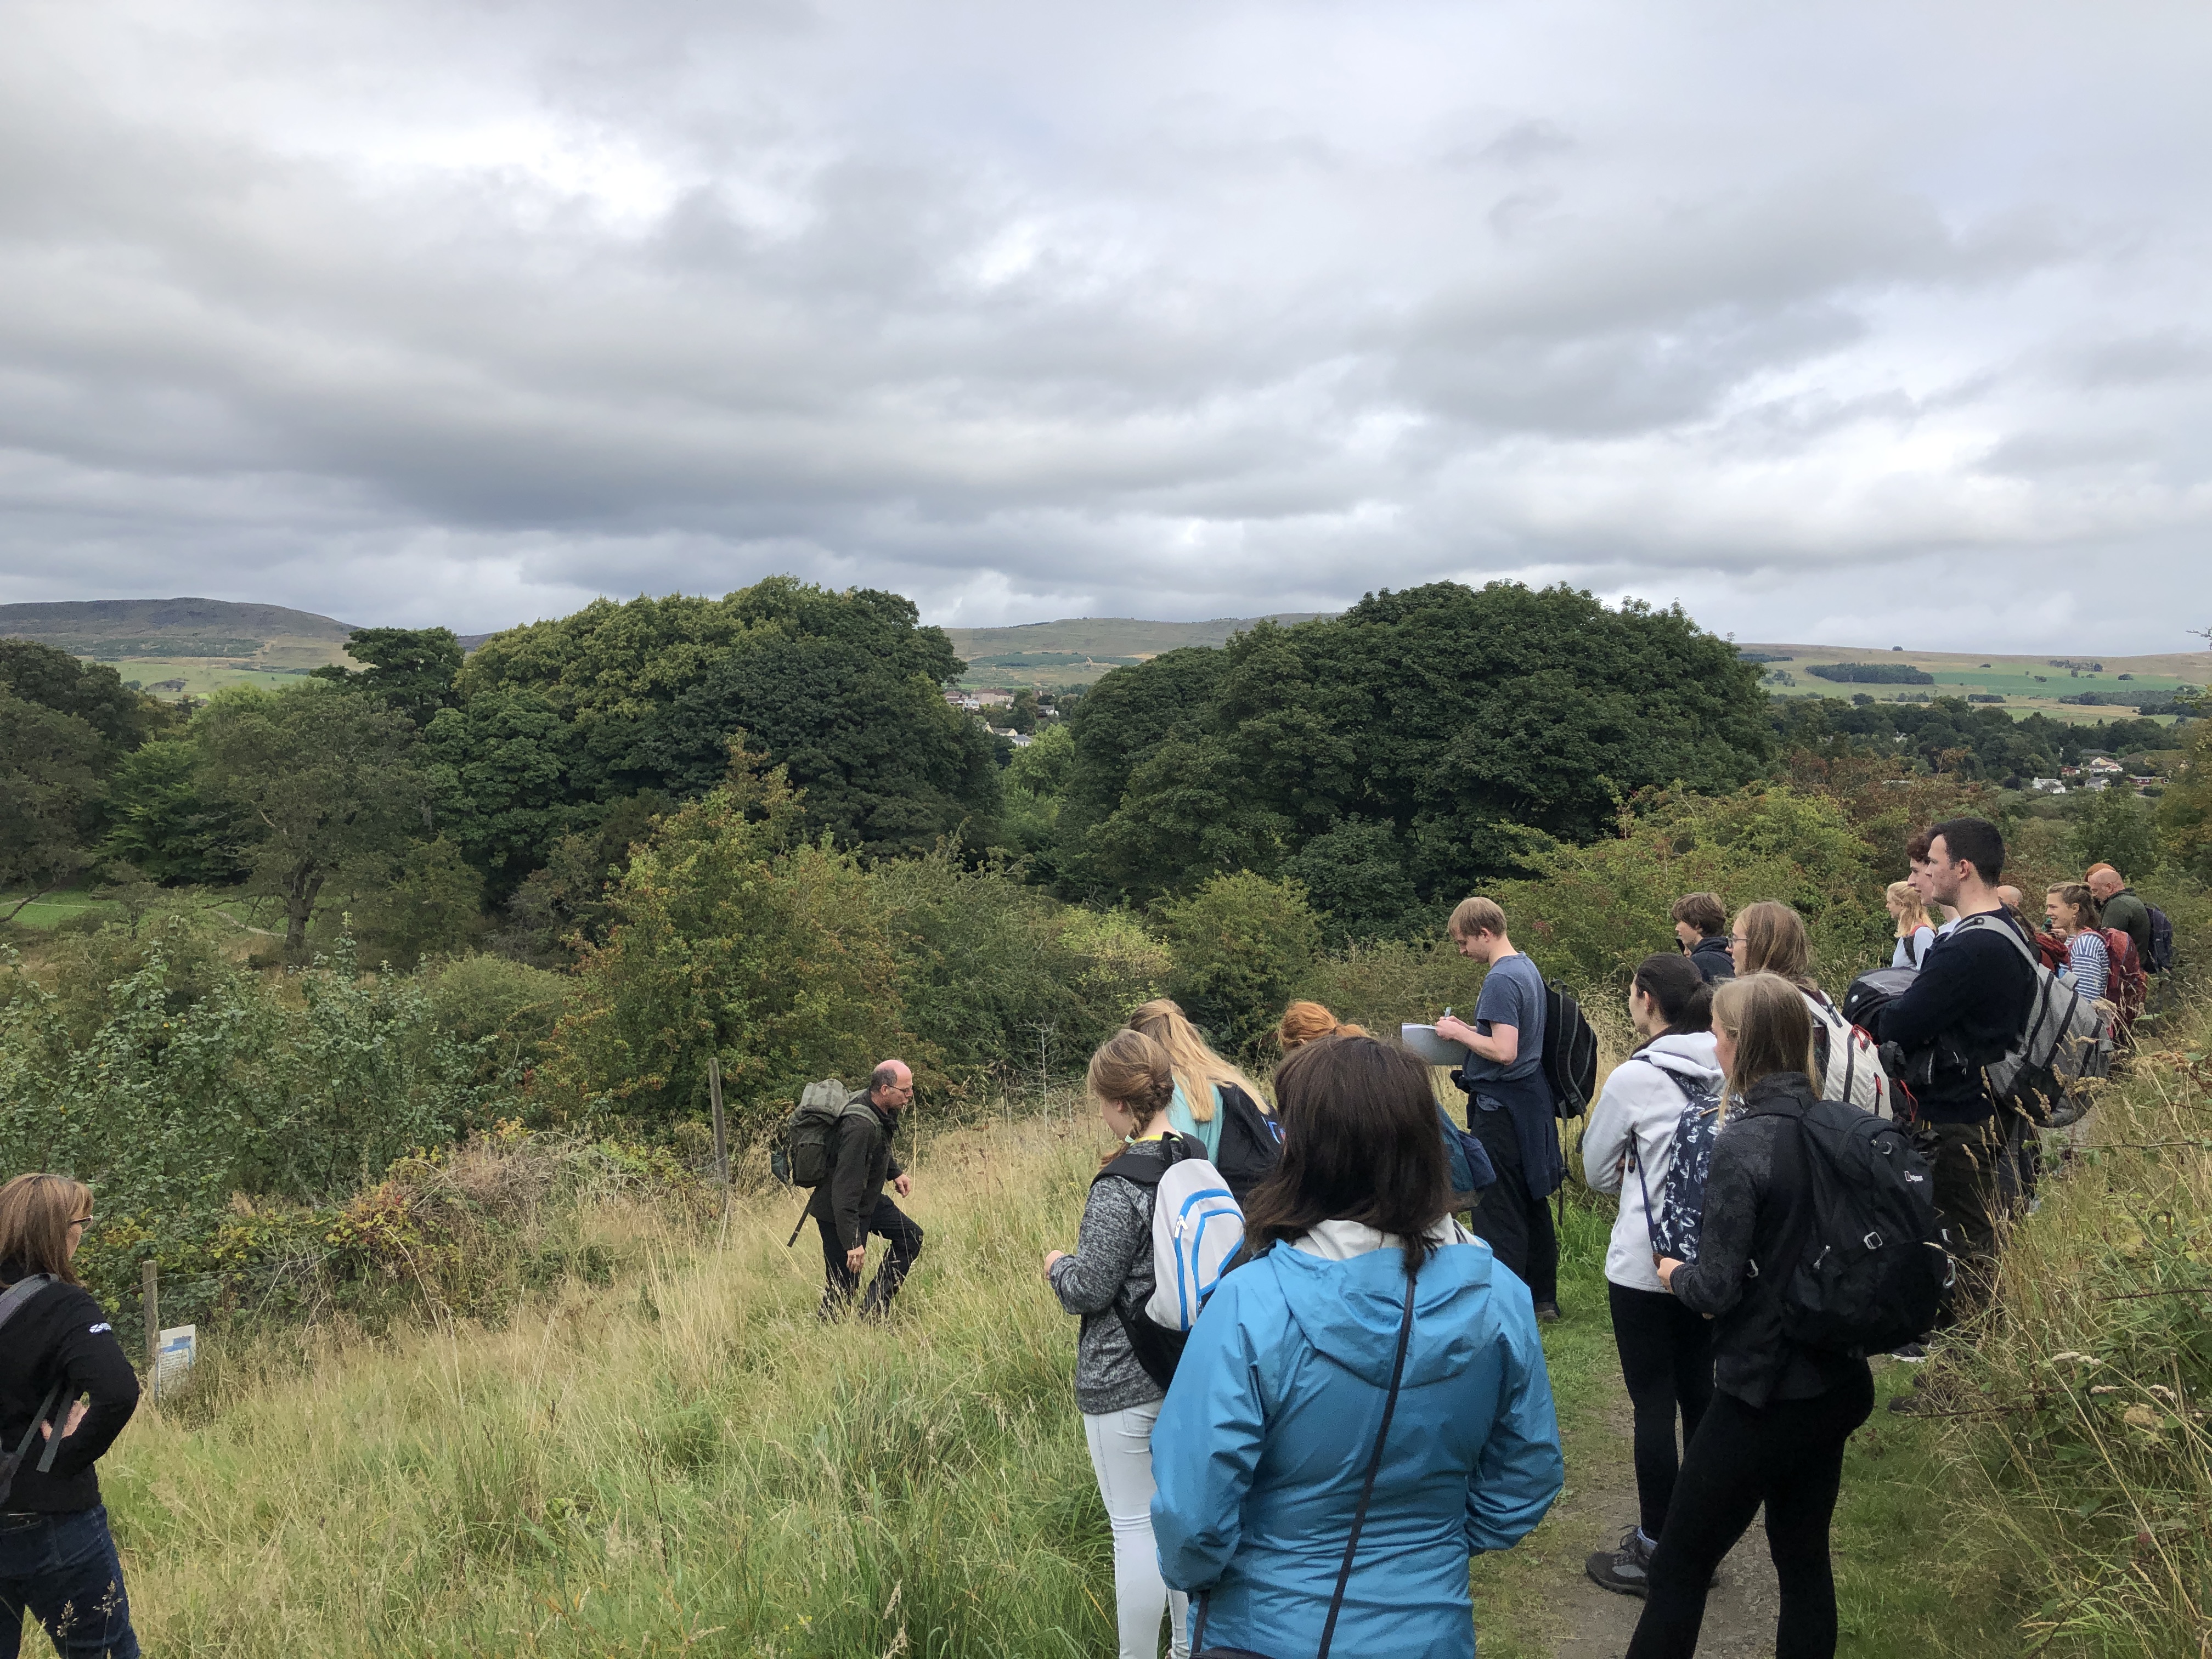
x=1263, y=1442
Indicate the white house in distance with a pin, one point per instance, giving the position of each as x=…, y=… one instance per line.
x=2045, y=787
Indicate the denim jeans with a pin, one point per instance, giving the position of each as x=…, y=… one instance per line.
x=64, y=1569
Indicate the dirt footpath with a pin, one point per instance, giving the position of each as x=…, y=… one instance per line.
x=1589, y=1622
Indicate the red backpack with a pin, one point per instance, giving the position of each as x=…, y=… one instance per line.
x=2125, y=985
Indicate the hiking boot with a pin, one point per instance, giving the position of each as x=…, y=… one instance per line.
x=1549, y=1313
x=1626, y=1570
x=1912, y=1353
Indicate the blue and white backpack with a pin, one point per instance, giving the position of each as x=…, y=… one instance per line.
x=1675, y=1224
x=1198, y=1227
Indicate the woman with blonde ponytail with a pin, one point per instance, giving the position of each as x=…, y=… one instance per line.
x=1119, y=1386
x=1214, y=1104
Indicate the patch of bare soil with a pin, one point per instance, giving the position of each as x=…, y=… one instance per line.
x=1591, y=1623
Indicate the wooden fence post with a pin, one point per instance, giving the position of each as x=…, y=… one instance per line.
x=149, y=1288
x=721, y=1137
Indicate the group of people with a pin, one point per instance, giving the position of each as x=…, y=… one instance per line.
x=1368, y=1376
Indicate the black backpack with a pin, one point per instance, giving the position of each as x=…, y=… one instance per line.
x=1251, y=1142
x=2159, y=959
x=1866, y=1263
x=51, y=1409
x=1569, y=1051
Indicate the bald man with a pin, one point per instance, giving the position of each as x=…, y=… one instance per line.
x=852, y=1203
x=2122, y=908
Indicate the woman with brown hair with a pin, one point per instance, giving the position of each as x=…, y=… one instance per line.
x=66, y=1390
x=1118, y=1384
x=2073, y=913
x=1781, y=1413
x=1770, y=937
x=1214, y=1104
x=1372, y=1373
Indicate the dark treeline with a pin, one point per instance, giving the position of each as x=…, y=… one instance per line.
x=1386, y=761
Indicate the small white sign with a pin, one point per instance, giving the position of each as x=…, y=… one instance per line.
x=173, y=1359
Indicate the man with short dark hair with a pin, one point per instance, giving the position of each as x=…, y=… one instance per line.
x=1508, y=1105
x=1701, y=929
x=2121, y=908
x=852, y=1204
x=1969, y=1005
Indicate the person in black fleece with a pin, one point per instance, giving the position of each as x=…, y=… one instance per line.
x=1774, y=1432
x=56, y=1557
x=1969, y=1005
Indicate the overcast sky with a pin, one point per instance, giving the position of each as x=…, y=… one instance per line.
x=1853, y=322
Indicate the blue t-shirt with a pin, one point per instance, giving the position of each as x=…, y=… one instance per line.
x=1512, y=995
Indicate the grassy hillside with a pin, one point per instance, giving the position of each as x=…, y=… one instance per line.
x=687, y=1460
x=184, y=647
x=2027, y=684
x=1077, y=651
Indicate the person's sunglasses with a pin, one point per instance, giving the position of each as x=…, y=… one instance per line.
x=82, y=1220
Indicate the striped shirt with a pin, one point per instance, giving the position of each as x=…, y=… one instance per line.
x=2088, y=963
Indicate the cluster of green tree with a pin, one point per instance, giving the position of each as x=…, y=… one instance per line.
x=1953, y=735
x=1385, y=759
x=424, y=790
x=65, y=728
x=1871, y=673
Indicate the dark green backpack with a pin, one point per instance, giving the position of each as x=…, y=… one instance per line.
x=809, y=1146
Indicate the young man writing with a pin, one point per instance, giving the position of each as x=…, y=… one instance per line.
x=1969, y=1005
x=1508, y=1103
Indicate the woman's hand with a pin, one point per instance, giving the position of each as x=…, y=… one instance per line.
x=1453, y=1029
x=1051, y=1256
x=1667, y=1266
x=76, y=1416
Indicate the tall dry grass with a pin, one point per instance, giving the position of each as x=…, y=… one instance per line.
x=688, y=1461
x=2084, y=1441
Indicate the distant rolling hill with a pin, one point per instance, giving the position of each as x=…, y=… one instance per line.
x=175, y=648
x=1078, y=650
x=2046, y=683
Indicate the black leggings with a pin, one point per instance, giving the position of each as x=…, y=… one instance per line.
x=1513, y=1221
x=1667, y=1361
x=1789, y=1455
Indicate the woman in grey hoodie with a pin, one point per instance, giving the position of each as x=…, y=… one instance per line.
x=1666, y=1350
x=1107, y=1281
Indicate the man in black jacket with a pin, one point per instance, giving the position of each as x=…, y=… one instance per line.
x=1701, y=927
x=1969, y=1004
x=852, y=1203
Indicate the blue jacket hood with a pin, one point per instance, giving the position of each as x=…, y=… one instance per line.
x=1351, y=1310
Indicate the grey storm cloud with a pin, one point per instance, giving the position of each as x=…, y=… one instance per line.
x=465, y=312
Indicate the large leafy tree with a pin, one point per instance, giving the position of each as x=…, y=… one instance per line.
x=735, y=937
x=1434, y=728
x=64, y=726
x=412, y=669
x=316, y=777
x=50, y=787
x=560, y=720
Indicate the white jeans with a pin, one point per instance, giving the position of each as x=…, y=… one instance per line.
x=1122, y=1453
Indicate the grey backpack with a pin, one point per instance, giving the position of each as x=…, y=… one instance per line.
x=808, y=1144
x=10, y=1304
